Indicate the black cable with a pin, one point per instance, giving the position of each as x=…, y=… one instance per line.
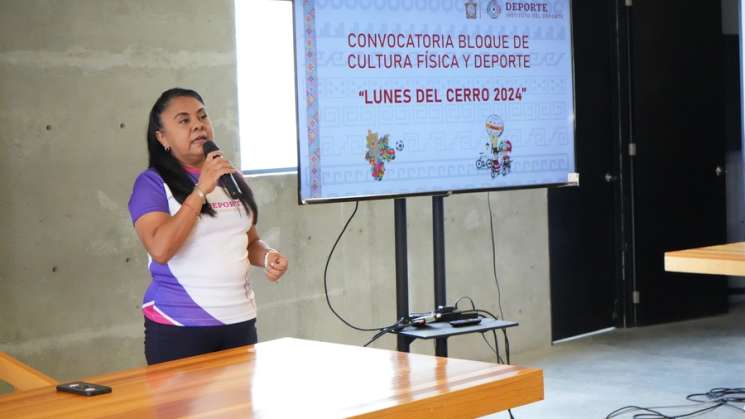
x=494, y=349
x=723, y=394
x=686, y=415
x=395, y=327
x=717, y=397
x=506, y=345
x=375, y=337
x=325, y=282
x=496, y=280
x=655, y=414
x=674, y=406
x=496, y=346
x=473, y=305
x=629, y=409
x=506, y=339
x=483, y=335
x=494, y=255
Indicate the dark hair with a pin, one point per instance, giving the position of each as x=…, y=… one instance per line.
x=170, y=169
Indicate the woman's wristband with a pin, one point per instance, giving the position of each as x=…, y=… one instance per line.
x=201, y=194
x=266, y=257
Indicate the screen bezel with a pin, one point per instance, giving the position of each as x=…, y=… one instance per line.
x=368, y=197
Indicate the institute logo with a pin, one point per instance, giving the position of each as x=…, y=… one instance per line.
x=472, y=9
x=534, y=9
x=511, y=9
x=494, y=9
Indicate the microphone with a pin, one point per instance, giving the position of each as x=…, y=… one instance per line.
x=227, y=181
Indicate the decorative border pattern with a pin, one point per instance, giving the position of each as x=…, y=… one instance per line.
x=311, y=93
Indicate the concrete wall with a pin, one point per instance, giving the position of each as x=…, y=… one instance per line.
x=77, y=78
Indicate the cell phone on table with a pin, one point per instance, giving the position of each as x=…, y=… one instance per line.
x=84, y=389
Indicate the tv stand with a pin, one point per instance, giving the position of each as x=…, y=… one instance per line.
x=439, y=331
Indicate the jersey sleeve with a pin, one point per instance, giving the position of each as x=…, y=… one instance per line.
x=148, y=195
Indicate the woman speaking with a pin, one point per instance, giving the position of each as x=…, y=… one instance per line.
x=200, y=241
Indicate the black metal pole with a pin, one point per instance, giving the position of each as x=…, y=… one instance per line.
x=402, y=269
x=438, y=241
x=626, y=272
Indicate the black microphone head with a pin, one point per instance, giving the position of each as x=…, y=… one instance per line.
x=209, y=147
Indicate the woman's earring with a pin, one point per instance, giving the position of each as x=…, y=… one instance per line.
x=167, y=148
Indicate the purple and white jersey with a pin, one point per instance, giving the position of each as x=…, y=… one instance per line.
x=206, y=282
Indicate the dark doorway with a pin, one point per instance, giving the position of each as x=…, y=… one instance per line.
x=679, y=186
x=650, y=152
x=582, y=228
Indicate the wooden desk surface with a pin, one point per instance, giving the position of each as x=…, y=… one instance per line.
x=723, y=259
x=294, y=378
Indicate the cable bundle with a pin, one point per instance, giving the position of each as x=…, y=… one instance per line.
x=716, y=398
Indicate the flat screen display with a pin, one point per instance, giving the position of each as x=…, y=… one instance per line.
x=410, y=97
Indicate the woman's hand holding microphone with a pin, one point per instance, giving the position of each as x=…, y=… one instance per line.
x=213, y=167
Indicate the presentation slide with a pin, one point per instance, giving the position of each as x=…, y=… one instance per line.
x=404, y=97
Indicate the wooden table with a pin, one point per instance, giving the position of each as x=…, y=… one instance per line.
x=294, y=378
x=723, y=259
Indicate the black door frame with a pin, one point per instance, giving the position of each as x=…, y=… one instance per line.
x=624, y=194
